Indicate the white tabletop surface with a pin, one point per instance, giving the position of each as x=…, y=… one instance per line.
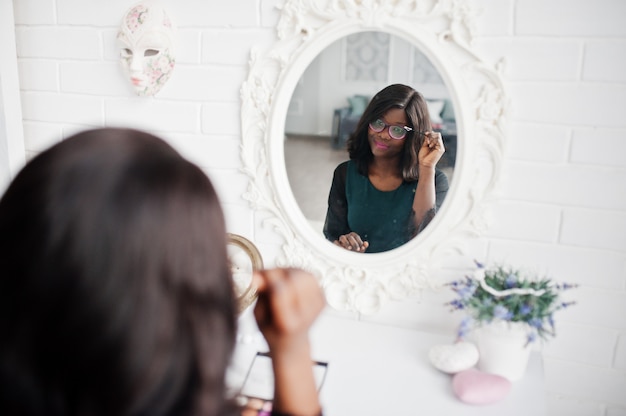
x=382, y=370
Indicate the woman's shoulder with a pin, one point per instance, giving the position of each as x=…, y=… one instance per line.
x=342, y=168
x=343, y=165
x=440, y=175
x=441, y=181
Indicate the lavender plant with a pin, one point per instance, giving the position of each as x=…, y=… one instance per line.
x=505, y=294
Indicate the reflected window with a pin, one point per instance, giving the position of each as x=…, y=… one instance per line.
x=423, y=71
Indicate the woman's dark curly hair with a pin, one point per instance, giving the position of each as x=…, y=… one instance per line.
x=115, y=292
x=416, y=110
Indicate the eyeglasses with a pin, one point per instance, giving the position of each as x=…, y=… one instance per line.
x=395, y=132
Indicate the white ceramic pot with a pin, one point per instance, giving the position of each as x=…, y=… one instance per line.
x=503, y=349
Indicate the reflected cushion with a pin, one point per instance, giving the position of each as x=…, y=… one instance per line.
x=448, y=111
x=358, y=103
x=434, y=109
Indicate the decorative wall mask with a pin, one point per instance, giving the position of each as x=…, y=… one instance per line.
x=147, y=40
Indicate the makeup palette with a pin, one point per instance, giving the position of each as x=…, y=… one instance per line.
x=257, y=392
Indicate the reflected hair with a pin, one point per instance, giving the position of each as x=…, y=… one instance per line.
x=416, y=109
x=115, y=295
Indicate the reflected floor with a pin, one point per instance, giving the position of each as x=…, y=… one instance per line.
x=310, y=162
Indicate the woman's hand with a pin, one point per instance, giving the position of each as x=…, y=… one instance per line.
x=432, y=149
x=289, y=302
x=353, y=242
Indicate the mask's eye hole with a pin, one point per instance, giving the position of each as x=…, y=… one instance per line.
x=151, y=52
x=126, y=52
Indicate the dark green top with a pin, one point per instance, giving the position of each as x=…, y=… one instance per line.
x=382, y=218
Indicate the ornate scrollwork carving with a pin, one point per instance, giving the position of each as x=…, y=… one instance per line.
x=443, y=30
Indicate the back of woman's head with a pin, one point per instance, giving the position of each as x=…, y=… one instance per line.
x=115, y=294
x=416, y=111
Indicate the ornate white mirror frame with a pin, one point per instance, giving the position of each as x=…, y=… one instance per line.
x=442, y=30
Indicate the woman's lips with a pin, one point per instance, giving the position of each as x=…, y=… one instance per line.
x=137, y=81
x=381, y=145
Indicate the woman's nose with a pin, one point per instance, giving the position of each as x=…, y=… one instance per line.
x=385, y=134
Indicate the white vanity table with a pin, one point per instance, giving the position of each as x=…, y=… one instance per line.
x=382, y=370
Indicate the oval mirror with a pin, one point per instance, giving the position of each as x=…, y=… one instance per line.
x=441, y=31
x=332, y=94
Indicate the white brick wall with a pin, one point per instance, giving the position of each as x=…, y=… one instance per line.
x=563, y=198
x=557, y=18
x=598, y=146
x=562, y=206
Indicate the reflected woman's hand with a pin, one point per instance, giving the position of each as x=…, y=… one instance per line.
x=353, y=242
x=432, y=149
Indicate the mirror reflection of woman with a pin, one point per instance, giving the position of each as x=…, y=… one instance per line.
x=390, y=189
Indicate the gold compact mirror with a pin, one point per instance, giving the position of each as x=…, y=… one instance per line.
x=244, y=258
